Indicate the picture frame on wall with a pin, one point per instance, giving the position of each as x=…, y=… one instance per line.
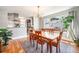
x=14, y=20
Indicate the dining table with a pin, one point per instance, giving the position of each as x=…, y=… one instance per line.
x=48, y=37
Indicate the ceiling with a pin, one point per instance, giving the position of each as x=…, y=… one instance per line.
x=28, y=11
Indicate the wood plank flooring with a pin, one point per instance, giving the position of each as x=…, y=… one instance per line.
x=24, y=46
x=14, y=46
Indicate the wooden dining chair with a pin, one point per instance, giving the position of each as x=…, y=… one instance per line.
x=31, y=37
x=34, y=37
x=56, y=43
x=41, y=42
x=37, y=33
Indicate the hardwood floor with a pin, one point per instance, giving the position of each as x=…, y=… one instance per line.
x=14, y=46
x=65, y=47
x=24, y=46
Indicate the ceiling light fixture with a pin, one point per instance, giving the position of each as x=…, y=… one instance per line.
x=38, y=15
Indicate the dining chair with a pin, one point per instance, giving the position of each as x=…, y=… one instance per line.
x=31, y=36
x=56, y=42
x=37, y=33
x=41, y=42
x=34, y=36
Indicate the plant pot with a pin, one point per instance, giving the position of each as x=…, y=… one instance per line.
x=77, y=45
x=0, y=47
x=5, y=44
x=77, y=48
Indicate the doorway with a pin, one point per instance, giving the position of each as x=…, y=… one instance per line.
x=29, y=23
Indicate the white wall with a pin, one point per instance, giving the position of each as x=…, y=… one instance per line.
x=76, y=22
x=75, y=25
x=3, y=19
x=20, y=32
x=17, y=32
x=36, y=23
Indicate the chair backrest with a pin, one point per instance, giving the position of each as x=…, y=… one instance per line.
x=59, y=37
x=41, y=40
x=31, y=31
x=38, y=33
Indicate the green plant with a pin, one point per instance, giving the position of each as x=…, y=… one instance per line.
x=5, y=34
x=66, y=22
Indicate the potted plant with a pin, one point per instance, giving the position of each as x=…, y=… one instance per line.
x=77, y=42
x=5, y=34
x=66, y=22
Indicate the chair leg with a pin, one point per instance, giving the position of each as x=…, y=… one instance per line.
x=41, y=48
x=36, y=46
x=56, y=49
x=30, y=42
x=33, y=43
x=47, y=47
x=50, y=49
x=59, y=50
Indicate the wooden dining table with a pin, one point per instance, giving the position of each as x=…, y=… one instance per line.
x=48, y=37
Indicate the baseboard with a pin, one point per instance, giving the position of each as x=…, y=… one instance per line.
x=67, y=40
x=19, y=37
